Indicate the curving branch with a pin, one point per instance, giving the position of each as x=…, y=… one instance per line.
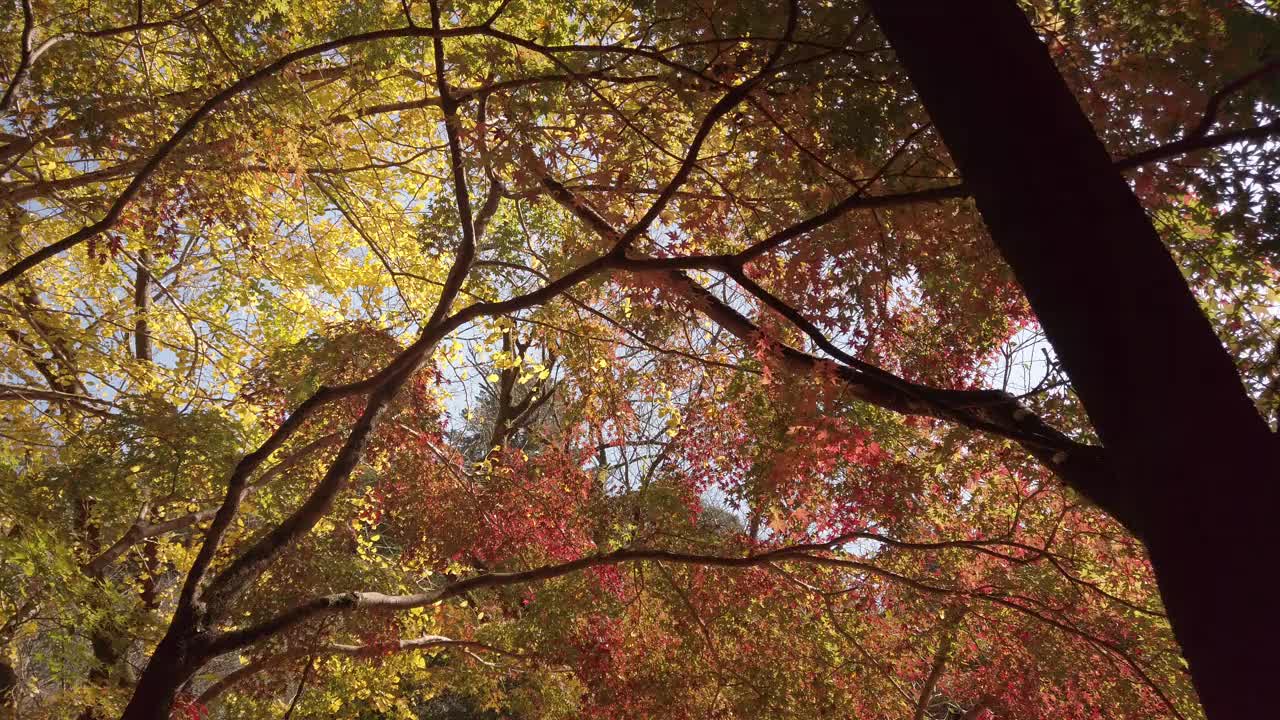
x=153, y=163
x=85, y=403
x=727, y=102
x=29, y=54
x=426, y=642
x=142, y=530
x=1194, y=143
x=1210, y=117
x=231, y=582
x=25, y=57
x=466, y=253
x=149, y=166
x=352, y=601
x=1082, y=466
x=802, y=554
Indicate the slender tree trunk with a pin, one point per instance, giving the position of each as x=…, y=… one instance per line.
x=1197, y=465
x=109, y=649
x=141, y=304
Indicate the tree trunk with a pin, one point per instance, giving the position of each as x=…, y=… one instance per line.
x=1197, y=465
x=172, y=664
x=8, y=690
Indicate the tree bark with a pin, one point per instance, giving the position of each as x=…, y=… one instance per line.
x=1195, y=464
x=8, y=690
x=174, y=661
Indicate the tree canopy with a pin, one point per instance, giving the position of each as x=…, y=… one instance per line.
x=425, y=359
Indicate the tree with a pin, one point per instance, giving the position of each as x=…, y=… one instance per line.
x=1109, y=296
x=654, y=359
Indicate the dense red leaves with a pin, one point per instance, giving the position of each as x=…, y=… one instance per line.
x=533, y=503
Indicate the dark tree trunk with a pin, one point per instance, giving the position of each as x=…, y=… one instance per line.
x=174, y=661
x=8, y=690
x=1197, y=466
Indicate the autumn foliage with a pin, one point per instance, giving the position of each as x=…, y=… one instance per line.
x=636, y=360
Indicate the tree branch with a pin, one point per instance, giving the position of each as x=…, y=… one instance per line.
x=1210, y=117
x=1083, y=467
x=189, y=126
x=467, y=251
x=140, y=531
x=426, y=642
